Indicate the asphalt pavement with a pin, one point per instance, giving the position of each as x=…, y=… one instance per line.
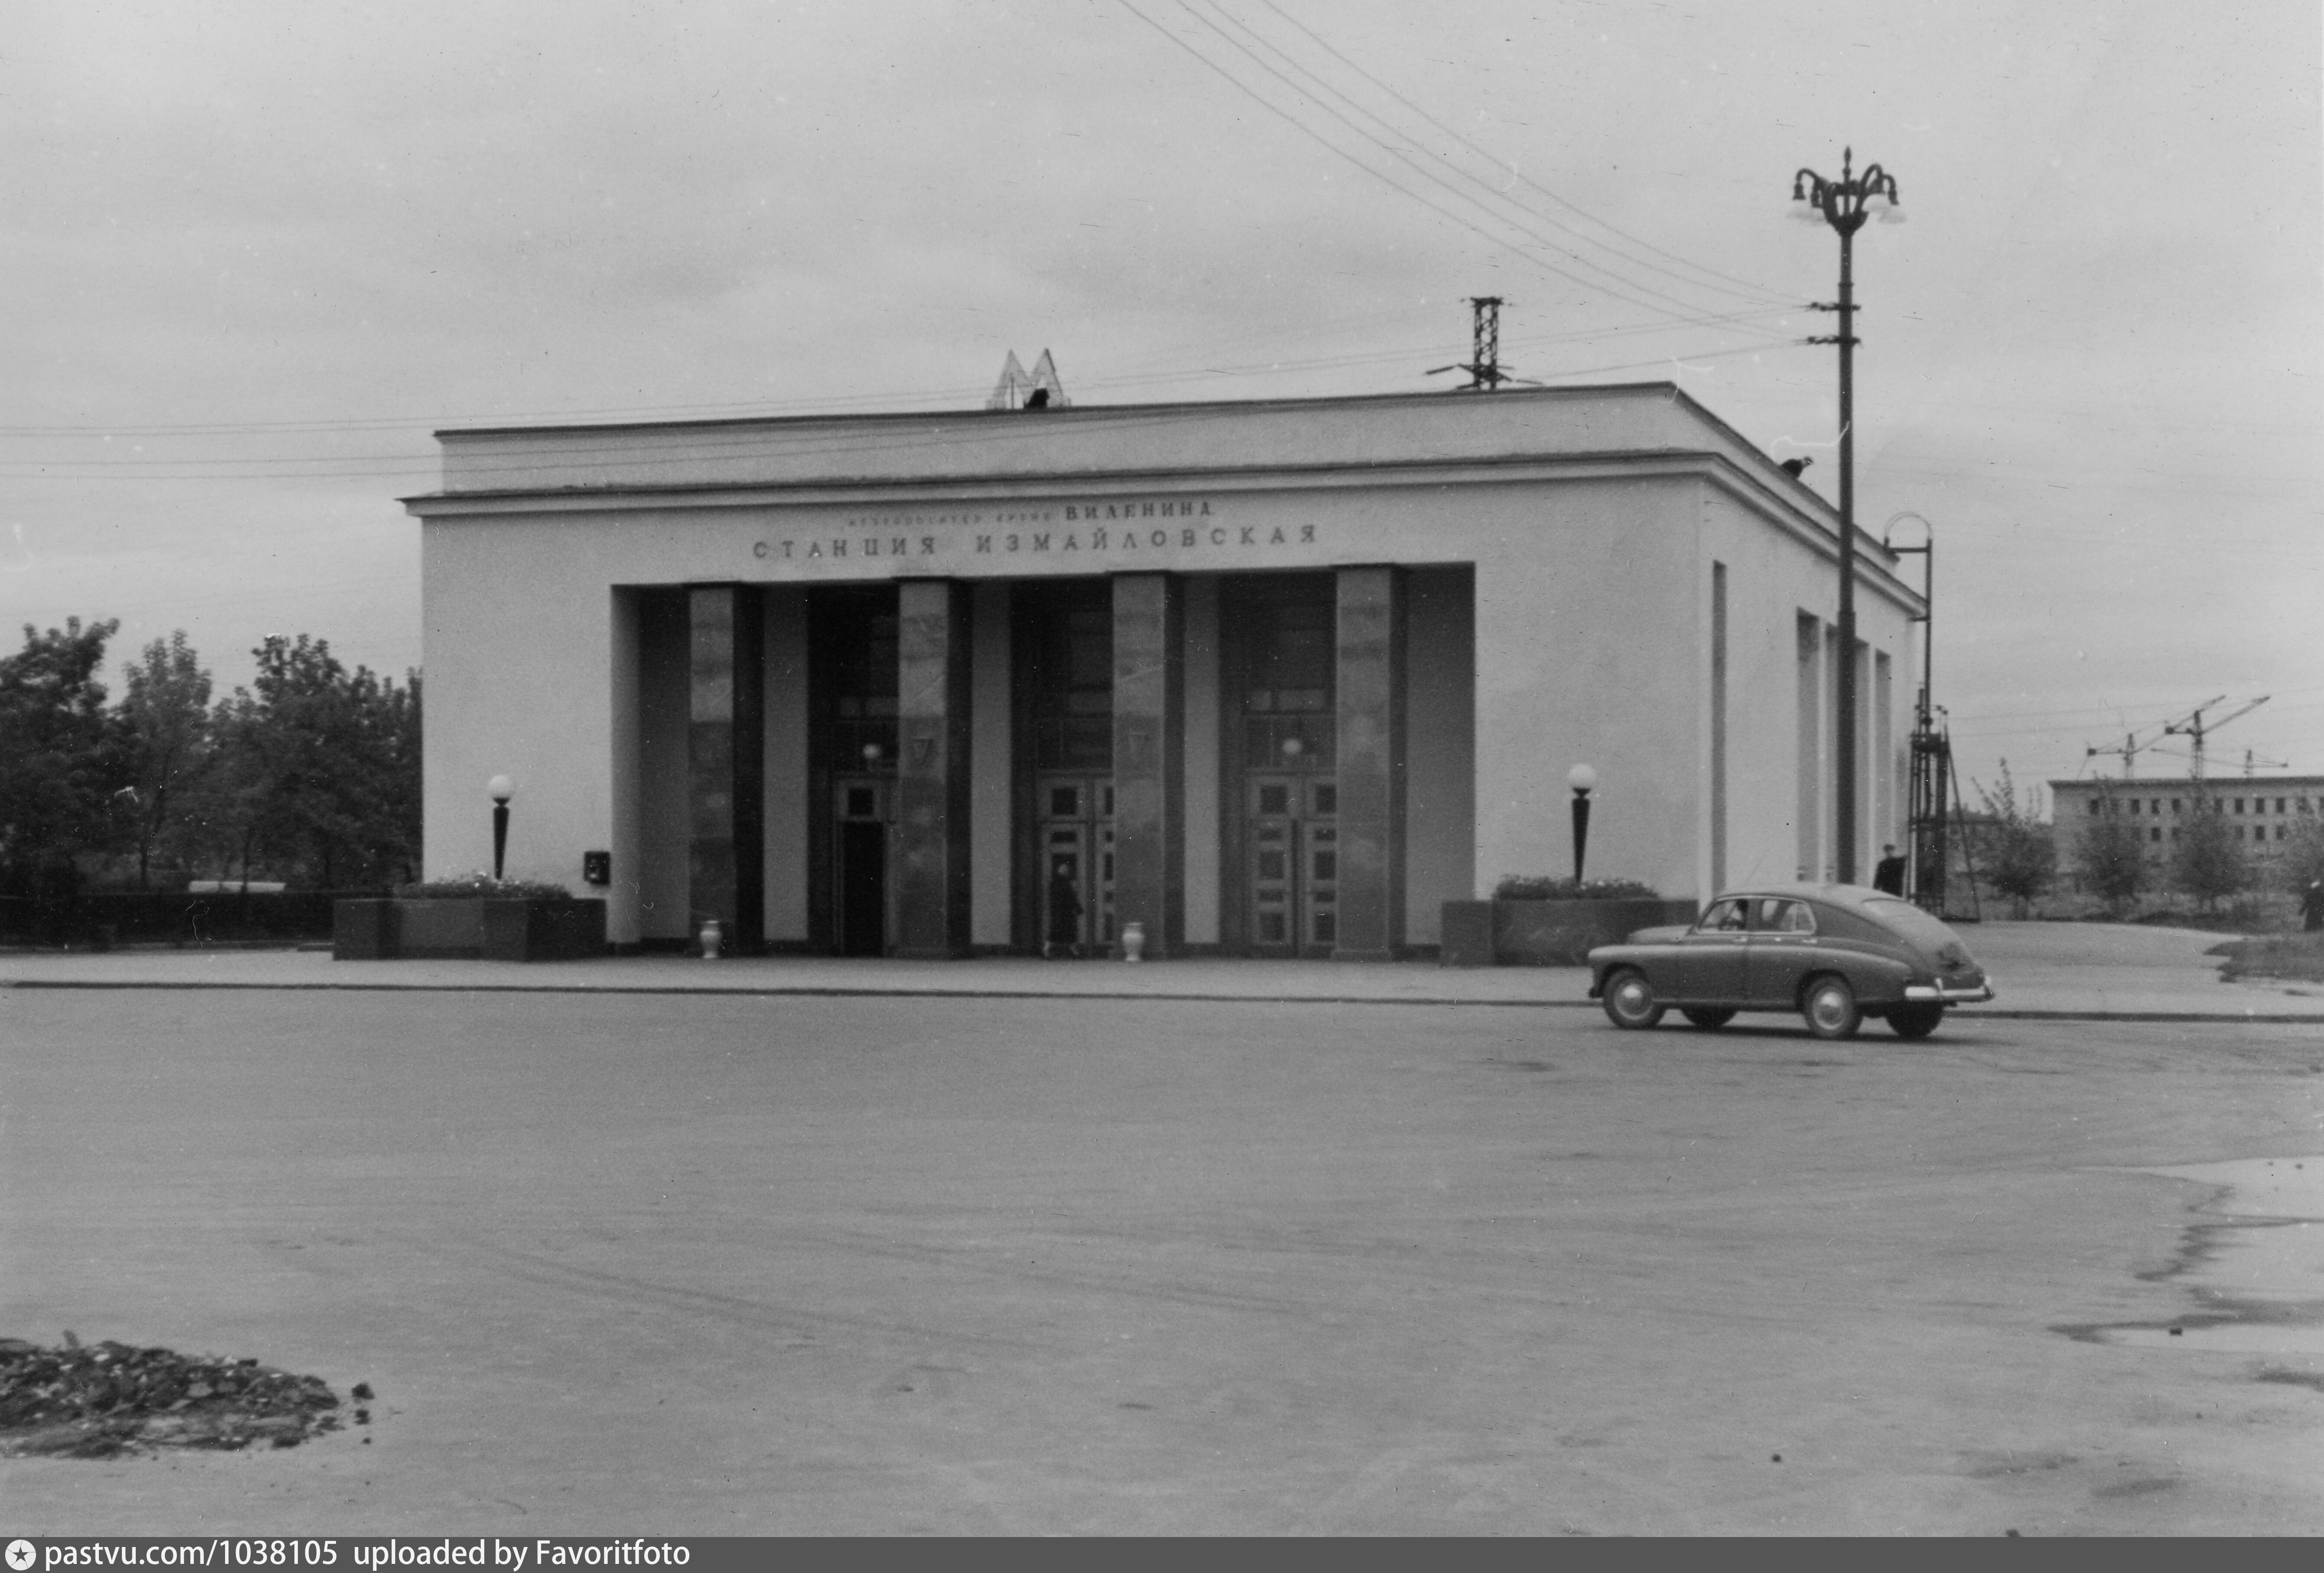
x=629, y=1263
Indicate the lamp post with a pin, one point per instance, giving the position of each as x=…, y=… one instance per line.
x=1844, y=204
x=1582, y=778
x=502, y=789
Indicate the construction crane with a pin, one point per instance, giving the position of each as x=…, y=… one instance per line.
x=2253, y=762
x=2130, y=748
x=2194, y=728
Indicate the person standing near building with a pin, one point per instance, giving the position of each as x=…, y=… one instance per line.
x=2311, y=906
x=1889, y=876
x=1064, y=913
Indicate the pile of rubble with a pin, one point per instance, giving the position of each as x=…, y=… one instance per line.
x=97, y=1401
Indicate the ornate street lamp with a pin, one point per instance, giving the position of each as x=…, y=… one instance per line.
x=500, y=789
x=1845, y=204
x=1582, y=778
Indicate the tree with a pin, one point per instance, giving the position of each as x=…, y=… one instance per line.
x=2207, y=864
x=61, y=759
x=2111, y=858
x=319, y=767
x=2303, y=855
x=2018, y=854
x=166, y=737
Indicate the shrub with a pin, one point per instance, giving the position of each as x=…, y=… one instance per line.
x=476, y=886
x=1549, y=888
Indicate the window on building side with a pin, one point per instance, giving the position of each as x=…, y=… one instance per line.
x=2155, y=834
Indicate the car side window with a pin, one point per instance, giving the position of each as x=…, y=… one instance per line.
x=1724, y=917
x=1777, y=915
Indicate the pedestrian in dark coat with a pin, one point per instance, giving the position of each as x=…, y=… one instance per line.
x=1064, y=914
x=1890, y=874
x=2311, y=906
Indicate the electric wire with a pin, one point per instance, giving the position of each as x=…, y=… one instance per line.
x=743, y=444
x=1760, y=290
x=1416, y=165
x=1305, y=130
x=1626, y=289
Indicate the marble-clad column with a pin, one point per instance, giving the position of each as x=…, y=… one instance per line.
x=933, y=703
x=1149, y=747
x=725, y=750
x=1370, y=763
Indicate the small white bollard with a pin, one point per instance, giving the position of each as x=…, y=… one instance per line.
x=1133, y=942
x=712, y=937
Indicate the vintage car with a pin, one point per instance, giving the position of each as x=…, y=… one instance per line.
x=1835, y=953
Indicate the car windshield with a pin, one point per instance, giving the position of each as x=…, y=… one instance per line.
x=1911, y=921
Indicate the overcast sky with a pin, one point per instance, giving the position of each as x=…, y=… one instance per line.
x=256, y=253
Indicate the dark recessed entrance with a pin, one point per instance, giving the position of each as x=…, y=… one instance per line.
x=852, y=761
x=1278, y=667
x=1062, y=646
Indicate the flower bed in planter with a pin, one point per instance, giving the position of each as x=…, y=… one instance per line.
x=489, y=928
x=1546, y=933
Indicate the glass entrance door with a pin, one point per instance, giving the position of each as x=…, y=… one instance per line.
x=1076, y=845
x=1291, y=834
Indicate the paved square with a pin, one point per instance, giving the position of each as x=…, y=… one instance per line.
x=638, y=1265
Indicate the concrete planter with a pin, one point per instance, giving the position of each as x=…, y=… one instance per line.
x=1545, y=934
x=469, y=929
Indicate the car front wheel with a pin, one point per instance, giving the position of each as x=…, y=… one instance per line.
x=1630, y=1001
x=1831, y=1008
x=1914, y=1021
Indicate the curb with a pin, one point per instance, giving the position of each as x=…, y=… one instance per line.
x=820, y=991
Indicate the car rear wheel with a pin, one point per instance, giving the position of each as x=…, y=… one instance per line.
x=1630, y=1001
x=1831, y=1008
x=1707, y=1018
x=1914, y=1021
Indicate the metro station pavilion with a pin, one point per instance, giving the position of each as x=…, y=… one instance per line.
x=1268, y=678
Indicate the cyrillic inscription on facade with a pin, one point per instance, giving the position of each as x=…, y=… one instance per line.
x=1117, y=529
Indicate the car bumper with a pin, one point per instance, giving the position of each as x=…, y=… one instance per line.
x=1944, y=994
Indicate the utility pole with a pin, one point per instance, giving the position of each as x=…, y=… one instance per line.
x=1484, y=363
x=1932, y=751
x=1842, y=204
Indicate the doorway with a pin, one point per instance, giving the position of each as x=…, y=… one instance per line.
x=1282, y=862
x=1076, y=841
x=1291, y=837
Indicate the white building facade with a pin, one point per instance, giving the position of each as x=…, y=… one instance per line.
x=1273, y=678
